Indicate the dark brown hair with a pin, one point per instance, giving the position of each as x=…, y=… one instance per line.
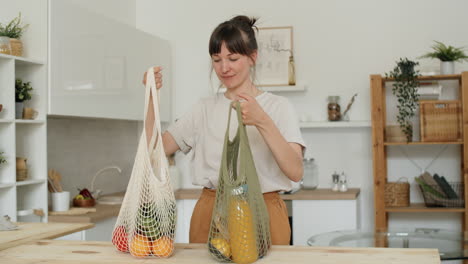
x=238, y=35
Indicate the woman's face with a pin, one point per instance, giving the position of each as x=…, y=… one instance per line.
x=232, y=69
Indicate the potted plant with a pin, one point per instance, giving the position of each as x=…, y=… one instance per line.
x=22, y=93
x=447, y=56
x=405, y=89
x=13, y=30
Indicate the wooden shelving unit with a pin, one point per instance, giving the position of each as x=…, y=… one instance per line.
x=377, y=85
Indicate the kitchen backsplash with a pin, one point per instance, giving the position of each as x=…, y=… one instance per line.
x=78, y=148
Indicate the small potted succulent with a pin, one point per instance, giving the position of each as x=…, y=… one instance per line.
x=447, y=55
x=22, y=93
x=405, y=89
x=13, y=30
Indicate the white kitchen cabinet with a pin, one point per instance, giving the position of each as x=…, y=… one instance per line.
x=313, y=217
x=102, y=231
x=24, y=138
x=97, y=64
x=310, y=217
x=184, y=214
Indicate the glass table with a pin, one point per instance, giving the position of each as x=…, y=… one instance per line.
x=449, y=243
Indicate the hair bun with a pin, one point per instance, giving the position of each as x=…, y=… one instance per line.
x=244, y=20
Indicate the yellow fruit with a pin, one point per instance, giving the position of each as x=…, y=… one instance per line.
x=140, y=246
x=79, y=197
x=163, y=247
x=222, y=245
x=241, y=232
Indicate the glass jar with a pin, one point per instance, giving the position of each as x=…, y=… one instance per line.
x=5, y=47
x=310, y=179
x=334, y=109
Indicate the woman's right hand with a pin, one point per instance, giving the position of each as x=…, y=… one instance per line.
x=157, y=77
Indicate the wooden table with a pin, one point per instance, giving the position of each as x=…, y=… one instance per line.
x=74, y=252
x=28, y=232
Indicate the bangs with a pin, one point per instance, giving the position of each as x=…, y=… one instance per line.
x=233, y=38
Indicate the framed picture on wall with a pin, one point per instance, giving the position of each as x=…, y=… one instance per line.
x=275, y=63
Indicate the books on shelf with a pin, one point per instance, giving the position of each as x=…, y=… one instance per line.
x=429, y=90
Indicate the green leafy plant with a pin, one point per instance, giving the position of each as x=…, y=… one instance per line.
x=405, y=89
x=446, y=53
x=2, y=158
x=22, y=91
x=14, y=28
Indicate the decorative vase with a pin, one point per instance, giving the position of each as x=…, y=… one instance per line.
x=5, y=46
x=19, y=110
x=447, y=67
x=291, y=71
x=16, y=47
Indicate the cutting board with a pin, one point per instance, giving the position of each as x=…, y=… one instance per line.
x=74, y=211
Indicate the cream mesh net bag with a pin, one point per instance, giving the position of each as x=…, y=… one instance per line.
x=146, y=222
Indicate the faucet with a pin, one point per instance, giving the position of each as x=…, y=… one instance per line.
x=98, y=191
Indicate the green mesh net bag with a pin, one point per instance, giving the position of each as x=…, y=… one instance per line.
x=146, y=223
x=240, y=226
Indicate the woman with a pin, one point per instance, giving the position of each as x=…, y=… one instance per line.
x=272, y=128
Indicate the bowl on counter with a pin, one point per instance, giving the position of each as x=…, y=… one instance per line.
x=84, y=202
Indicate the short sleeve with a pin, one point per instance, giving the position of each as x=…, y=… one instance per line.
x=288, y=123
x=184, y=129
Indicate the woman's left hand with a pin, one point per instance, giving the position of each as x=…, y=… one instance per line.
x=252, y=112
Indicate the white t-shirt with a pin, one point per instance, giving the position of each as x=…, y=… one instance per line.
x=202, y=131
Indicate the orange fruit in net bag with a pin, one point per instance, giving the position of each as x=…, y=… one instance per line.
x=140, y=246
x=163, y=247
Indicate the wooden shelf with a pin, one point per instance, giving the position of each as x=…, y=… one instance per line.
x=379, y=151
x=431, y=78
x=423, y=143
x=421, y=208
x=275, y=88
x=338, y=124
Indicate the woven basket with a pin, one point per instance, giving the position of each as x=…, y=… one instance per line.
x=432, y=200
x=440, y=120
x=16, y=47
x=397, y=194
x=21, y=174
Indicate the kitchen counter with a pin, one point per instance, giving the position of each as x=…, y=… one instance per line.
x=28, y=232
x=317, y=194
x=104, y=211
x=74, y=252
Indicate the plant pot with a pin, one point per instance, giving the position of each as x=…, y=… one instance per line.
x=447, y=67
x=5, y=47
x=393, y=133
x=19, y=110
x=16, y=47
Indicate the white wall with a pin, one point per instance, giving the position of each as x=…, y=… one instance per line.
x=337, y=44
x=122, y=10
